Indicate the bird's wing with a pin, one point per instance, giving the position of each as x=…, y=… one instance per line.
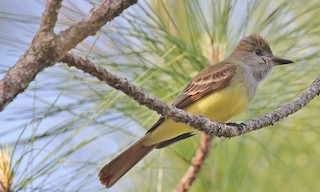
x=214, y=77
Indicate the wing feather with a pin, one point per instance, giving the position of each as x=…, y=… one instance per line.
x=213, y=78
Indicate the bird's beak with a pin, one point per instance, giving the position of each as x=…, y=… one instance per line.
x=280, y=61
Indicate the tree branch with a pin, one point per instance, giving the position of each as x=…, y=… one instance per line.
x=90, y=24
x=195, y=121
x=196, y=164
x=50, y=16
x=47, y=48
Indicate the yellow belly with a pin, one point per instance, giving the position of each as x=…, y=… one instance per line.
x=218, y=106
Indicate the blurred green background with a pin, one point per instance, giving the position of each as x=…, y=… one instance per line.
x=67, y=124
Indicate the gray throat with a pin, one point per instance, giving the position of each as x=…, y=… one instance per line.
x=261, y=71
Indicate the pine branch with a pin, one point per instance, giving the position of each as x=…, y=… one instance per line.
x=47, y=48
x=198, y=122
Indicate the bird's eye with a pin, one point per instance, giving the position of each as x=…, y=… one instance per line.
x=258, y=52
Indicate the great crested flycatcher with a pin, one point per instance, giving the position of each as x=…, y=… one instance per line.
x=219, y=92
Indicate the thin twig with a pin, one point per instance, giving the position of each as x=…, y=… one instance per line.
x=195, y=121
x=197, y=162
x=91, y=23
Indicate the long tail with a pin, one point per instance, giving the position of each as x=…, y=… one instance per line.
x=120, y=165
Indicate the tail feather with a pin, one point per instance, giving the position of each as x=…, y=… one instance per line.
x=166, y=143
x=120, y=165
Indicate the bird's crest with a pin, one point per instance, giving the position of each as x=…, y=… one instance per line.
x=253, y=42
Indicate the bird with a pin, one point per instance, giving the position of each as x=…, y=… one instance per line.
x=219, y=92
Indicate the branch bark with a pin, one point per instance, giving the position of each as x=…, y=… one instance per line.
x=198, y=122
x=47, y=48
x=50, y=16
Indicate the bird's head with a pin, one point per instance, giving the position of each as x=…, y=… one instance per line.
x=256, y=53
